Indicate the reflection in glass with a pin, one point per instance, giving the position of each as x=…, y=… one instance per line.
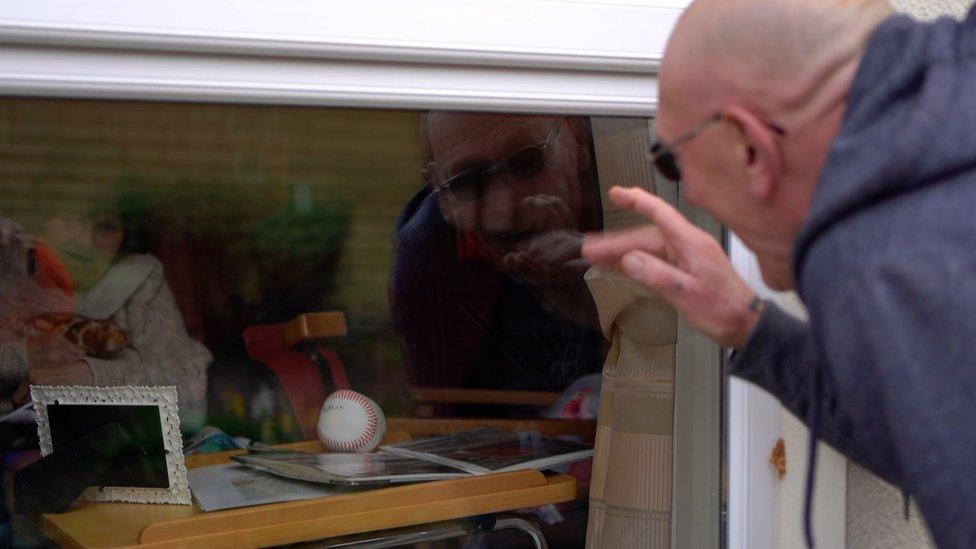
x=142, y=243
x=487, y=287
x=84, y=310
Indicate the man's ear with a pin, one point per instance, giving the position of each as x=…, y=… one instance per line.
x=580, y=130
x=759, y=152
x=427, y=173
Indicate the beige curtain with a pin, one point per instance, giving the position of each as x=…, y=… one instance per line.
x=630, y=493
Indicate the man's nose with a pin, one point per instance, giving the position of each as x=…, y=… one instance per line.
x=498, y=206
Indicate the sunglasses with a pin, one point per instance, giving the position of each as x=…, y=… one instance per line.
x=523, y=165
x=663, y=155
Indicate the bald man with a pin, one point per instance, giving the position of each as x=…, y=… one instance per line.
x=839, y=142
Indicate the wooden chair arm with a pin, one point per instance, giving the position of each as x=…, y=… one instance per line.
x=311, y=326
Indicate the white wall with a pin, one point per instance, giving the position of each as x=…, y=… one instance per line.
x=785, y=527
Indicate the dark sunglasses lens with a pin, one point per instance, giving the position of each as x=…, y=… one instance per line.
x=468, y=186
x=527, y=163
x=666, y=163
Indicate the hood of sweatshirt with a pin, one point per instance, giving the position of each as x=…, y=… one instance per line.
x=910, y=122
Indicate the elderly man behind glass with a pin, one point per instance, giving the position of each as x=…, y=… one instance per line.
x=488, y=287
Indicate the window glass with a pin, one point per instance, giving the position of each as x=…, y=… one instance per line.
x=150, y=244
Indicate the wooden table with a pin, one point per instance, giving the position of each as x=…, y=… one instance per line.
x=128, y=525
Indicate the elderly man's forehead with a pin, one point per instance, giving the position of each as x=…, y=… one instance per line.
x=694, y=69
x=688, y=88
x=674, y=111
x=448, y=125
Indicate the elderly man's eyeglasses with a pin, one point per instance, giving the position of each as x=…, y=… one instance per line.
x=663, y=155
x=470, y=185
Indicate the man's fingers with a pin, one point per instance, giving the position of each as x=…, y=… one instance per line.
x=609, y=248
x=656, y=274
x=553, y=247
x=669, y=220
x=547, y=213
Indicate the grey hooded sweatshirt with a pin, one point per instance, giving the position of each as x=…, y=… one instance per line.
x=885, y=371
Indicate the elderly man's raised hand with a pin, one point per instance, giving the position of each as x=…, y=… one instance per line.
x=682, y=264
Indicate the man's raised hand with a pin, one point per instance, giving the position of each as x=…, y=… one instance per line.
x=683, y=264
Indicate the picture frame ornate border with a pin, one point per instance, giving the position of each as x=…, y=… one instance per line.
x=164, y=397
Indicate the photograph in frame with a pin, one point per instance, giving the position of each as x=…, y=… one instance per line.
x=150, y=468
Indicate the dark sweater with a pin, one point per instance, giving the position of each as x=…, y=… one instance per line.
x=885, y=371
x=461, y=323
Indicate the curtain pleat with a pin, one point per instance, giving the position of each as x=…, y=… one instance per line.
x=630, y=494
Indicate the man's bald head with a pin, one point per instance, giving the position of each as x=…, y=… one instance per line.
x=776, y=56
x=778, y=73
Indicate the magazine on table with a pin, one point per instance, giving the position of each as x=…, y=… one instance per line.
x=473, y=452
x=229, y=485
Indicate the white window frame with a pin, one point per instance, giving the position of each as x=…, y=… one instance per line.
x=594, y=57
x=754, y=426
x=526, y=55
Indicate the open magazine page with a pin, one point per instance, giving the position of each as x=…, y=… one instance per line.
x=229, y=485
x=491, y=449
x=350, y=469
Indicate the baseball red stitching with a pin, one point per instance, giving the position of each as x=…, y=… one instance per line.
x=372, y=423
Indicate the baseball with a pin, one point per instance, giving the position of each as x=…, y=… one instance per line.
x=351, y=422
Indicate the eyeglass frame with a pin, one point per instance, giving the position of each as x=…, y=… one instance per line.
x=486, y=172
x=660, y=152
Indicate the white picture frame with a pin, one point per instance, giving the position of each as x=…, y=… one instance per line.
x=163, y=397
